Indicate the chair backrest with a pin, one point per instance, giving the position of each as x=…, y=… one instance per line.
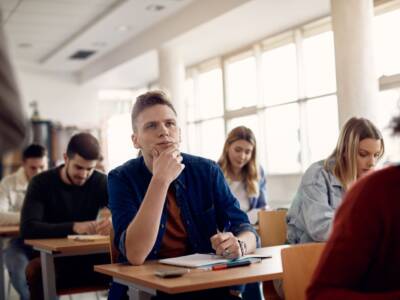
x=272, y=227
x=299, y=263
x=113, y=250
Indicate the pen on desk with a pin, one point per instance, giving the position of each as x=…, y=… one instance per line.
x=232, y=264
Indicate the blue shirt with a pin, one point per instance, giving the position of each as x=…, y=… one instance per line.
x=201, y=192
x=311, y=214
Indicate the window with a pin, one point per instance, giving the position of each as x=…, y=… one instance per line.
x=119, y=143
x=250, y=121
x=212, y=138
x=280, y=75
x=322, y=127
x=189, y=99
x=387, y=43
x=282, y=88
x=319, y=64
x=241, y=83
x=210, y=94
x=282, y=139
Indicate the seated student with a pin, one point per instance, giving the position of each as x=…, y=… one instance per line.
x=323, y=185
x=12, y=193
x=246, y=180
x=166, y=203
x=245, y=177
x=361, y=259
x=62, y=201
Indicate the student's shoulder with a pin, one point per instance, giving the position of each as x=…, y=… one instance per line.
x=47, y=176
x=317, y=174
x=193, y=161
x=130, y=167
x=380, y=180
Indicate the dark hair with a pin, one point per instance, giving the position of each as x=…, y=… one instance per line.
x=147, y=100
x=34, y=151
x=85, y=145
x=395, y=124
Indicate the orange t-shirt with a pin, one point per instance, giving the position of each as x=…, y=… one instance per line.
x=174, y=242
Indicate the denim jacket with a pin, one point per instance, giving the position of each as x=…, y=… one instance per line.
x=202, y=194
x=310, y=216
x=261, y=200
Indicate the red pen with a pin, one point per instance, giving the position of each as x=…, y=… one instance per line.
x=232, y=264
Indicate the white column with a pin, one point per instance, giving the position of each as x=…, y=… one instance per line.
x=357, y=81
x=172, y=80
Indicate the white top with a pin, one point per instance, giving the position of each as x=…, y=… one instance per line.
x=239, y=191
x=12, y=194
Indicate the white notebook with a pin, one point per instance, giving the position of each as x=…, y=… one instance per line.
x=203, y=260
x=87, y=237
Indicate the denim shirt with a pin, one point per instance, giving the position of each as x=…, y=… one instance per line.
x=261, y=200
x=310, y=216
x=202, y=194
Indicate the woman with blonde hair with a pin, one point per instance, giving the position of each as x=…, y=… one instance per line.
x=247, y=182
x=361, y=259
x=244, y=176
x=359, y=147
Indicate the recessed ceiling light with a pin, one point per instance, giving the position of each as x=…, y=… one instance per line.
x=155, y=7
x=123, y=28
x=25, y=45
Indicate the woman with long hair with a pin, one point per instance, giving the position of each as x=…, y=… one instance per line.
x=359, y=147
x=247, y=182
x=361, y=259
x=244, y=176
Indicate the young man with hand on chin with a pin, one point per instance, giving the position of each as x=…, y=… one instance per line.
x=166, y=203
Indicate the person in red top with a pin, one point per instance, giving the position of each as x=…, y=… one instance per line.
x=361, y=259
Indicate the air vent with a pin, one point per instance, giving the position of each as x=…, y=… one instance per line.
x=82, y=54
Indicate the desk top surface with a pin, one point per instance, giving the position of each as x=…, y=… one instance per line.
x=65, y=245
x=197, y=279
x=9, y=231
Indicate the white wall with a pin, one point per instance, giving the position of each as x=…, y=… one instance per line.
x=281, y=189
x=60, y=98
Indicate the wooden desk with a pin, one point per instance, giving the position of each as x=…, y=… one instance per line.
x=5, y=232
x=143, y=283
x=51, y=248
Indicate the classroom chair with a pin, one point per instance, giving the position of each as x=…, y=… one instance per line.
x=299, y=263
x=272, y=231
x=272, y=227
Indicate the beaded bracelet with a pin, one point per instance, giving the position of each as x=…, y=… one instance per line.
x=243, y=247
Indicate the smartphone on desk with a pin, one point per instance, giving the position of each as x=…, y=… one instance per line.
x=170, y=272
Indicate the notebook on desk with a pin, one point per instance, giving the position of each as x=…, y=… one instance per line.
x=87, y=237
x=205, y=260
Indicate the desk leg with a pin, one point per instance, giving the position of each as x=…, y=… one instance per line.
x=2, y=270
x=48, y=276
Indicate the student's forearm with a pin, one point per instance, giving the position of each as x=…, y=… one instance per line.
x=250, y=239
x=142, y=231
x=39, y=229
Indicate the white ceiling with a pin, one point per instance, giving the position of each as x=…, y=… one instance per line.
x=200, y=28
x=55, y=29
